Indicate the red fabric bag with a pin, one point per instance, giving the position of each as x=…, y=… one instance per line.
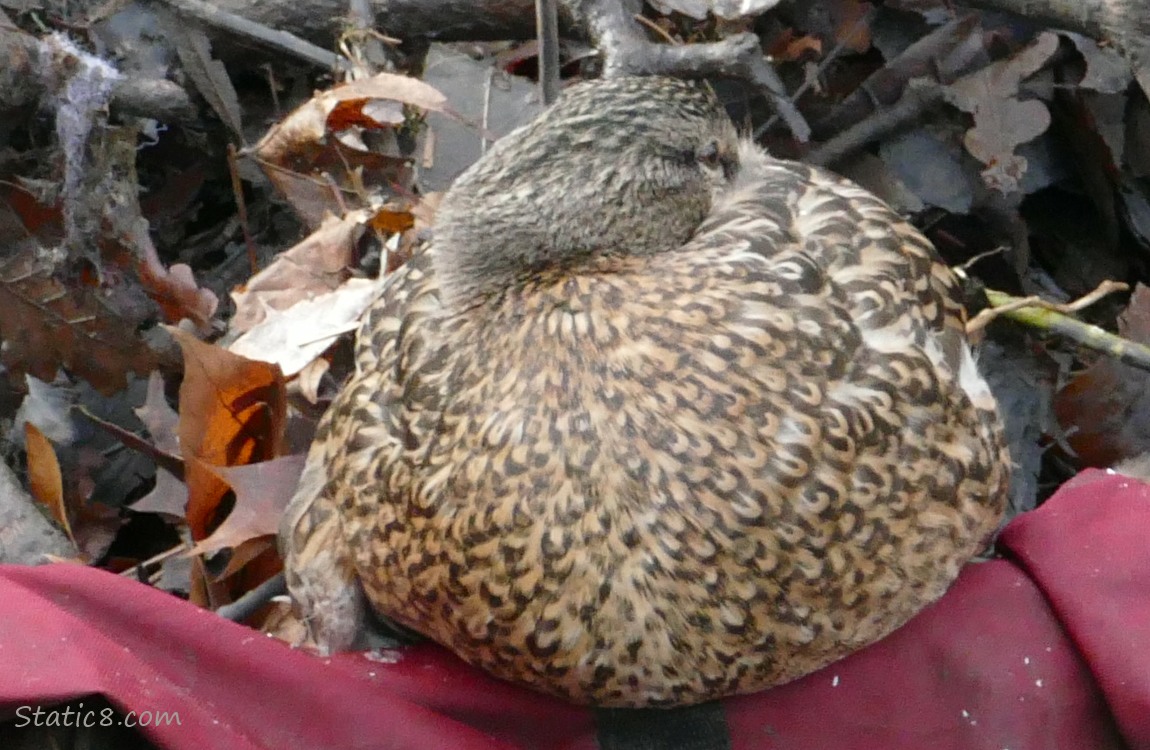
x=1047, y=648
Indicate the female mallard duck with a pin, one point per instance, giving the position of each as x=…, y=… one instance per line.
x=655, y=419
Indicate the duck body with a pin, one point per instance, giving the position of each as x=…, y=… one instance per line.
x=653, y=479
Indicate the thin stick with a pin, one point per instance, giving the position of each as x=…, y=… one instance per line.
x=251, y=602
x=982, y=256
x=656, y=28
x=547, y=29
x=1001, y=304
x=1053, y=318
x=919, y=96
x=134, y=571
x=242, y=209
x=484, y=138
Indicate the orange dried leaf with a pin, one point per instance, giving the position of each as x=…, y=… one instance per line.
x=788, y=47
x=232, y=412
x=369, y=114
x=247, y=557
x=392, y=221
x=249, y=565
x=91, y=527
x=174, y=289
x=308, y=125
x=45, y=479
x=851, y=29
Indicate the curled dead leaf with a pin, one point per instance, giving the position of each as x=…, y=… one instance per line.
x=318, y=264
x=91, y=527
x=294, y=338
x=314, y=154
x=232, y=412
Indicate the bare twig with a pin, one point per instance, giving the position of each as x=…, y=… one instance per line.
x=920, y=95
x=1001, y=304
x=655, y=29
x=242, y=209
x=1053, y=318
x=941, y=55
x=136, y=570
x=251, y=602
x=221, y=19
x=627, y=51
x=152, y=97
x=547, y=23
x=983, y=256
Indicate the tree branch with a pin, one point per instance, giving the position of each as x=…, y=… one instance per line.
x=1126, y=23
x=626, y=51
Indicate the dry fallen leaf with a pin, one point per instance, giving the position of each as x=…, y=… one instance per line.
x=27, y=536
x=1105, y=411
x=316, y=157
x=307, y=126
x=49, y=322
x=88, y=431
x=293, y=339
x=1001, y=120
x=789, y=47
x=175, y=290
x=1106, y=69
x=45, y=481
x=317, y=265
x=170, y=495
x=262, y=492
x=160, y=419
x=391, y=220
x=232, y=412
x=851, y=29
x=91, y=527
x=208, y=74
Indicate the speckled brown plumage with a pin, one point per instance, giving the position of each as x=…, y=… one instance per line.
x=655, y=419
